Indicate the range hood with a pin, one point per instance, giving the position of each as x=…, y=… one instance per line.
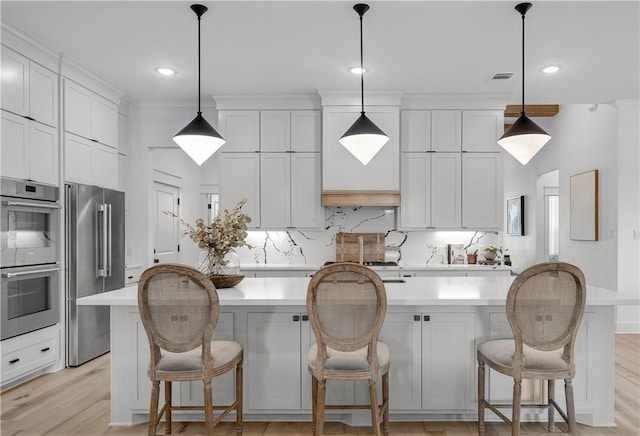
x=361, y=198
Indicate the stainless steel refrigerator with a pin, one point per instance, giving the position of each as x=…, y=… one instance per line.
x=95, y=258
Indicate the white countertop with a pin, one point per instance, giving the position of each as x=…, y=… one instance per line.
x=403, y=267
x=417, y=291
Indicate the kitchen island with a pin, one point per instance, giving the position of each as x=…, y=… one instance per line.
x=432, y=327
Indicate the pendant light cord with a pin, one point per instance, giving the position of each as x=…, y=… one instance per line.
x=361, y=68
x=522, y=112
x=199, y=111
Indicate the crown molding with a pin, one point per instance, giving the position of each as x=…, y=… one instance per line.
x=267, y=101
x=352, y=98
x=454, y=101
x=72, y=70
x=30, y=47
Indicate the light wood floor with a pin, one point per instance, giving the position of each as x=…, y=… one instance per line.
x=75, y=401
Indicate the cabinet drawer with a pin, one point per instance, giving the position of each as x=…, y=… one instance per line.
x=20, y=356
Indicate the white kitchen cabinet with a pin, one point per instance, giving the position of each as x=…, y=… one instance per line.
x=415, y=131
x=448, y=353
x=482, y=190
x=275, y=190
x=29, y=89
x=90, y=115
x=481, y=130
x=275, y=131
x=306, y=131
x=29, y=354
x=415, y=191
x=240, y=129
x=446, y=190
x=273, y=362
x=240, y=179
x=29, y=149
x=90, y=162
x=306, y=209
x=446, y=130
x=124, y=141
x=341, y=170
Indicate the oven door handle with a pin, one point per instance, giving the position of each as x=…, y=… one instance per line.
x=23, y=203
x=26, y=273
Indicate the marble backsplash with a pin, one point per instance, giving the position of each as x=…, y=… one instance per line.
x=314, y=247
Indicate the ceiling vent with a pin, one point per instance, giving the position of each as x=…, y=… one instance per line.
x=502, y=76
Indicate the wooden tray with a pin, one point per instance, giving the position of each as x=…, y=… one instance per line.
x=348, y=247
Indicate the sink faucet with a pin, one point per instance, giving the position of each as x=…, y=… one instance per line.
x=361, y=249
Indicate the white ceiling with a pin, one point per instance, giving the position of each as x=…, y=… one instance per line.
x=298, y=47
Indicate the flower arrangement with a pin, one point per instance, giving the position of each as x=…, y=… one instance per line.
x=227, y=231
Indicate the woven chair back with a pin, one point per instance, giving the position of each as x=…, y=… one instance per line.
x=545, y=305
x=178, y=307
x=346, y=303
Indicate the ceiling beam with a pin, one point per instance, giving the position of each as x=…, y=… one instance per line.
x=532, y=110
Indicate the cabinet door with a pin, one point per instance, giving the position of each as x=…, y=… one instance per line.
x=15, y=82
x=448, y=361
x=15, y=145
x=240, y=179
x=273, y=360
x=43, y=141
x=124, y=143
x=306, y=209
x=275, y=189
x=446, y=190
x=482, y=190
x=415, y=131
x=305, y=131
x=481, y=130
x=77, y=159
x=43, y=95
x=104, y=161
x=240, y=129
x=341, y=170
x=275, y=131
x=446, y=130
x=402, y=333
x=104, y=121
x=77, y=109
x=415, y=205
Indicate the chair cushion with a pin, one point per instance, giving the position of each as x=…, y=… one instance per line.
x=500, y=351
x=223, y=352
x=349, y=361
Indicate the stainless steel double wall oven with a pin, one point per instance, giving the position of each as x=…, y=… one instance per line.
x=29, y=250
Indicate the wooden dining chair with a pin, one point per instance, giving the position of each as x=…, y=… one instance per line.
x=346, y=304
x=545, y=305
x=179, y=310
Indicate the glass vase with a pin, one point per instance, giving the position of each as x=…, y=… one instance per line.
x=212, y=263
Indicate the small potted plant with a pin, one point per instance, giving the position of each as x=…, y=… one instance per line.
x=492, y=253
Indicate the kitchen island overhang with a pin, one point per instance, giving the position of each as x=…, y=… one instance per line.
x=433, y=326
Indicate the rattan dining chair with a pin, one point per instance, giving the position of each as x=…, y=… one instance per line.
x=179, y=310
x=346, y=304
x=545, y=305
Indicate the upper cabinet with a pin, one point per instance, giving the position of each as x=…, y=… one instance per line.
x=430, y=130
x=90, y=115
x=341, y=171
x=29, y=89
x=481, y=130
x=240, y=129
x=446, y=130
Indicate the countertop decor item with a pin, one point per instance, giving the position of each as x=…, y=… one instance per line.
x=524, y=138
x=363, y=139
x=515, y=216
x=227, y=231
x=199, y=139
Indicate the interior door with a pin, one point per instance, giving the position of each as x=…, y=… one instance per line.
x=165, y=242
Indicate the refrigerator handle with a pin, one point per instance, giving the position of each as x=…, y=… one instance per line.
x=102, y=270
x=109, y=241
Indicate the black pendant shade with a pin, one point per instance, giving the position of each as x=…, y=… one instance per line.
x=524, y=138
x=199, y=139
x=363, y=139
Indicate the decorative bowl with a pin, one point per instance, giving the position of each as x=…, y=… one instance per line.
x=225, y=280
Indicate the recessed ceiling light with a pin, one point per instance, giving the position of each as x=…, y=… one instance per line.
x=551, y=69
x=358, y=70
x=166, y=71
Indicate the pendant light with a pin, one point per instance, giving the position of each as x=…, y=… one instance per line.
x=524, y=138
x=199, y=139
x=363, y=139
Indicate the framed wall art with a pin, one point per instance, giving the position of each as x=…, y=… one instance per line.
x=515, y=216
x=584, y=206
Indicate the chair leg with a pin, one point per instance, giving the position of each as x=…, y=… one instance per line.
x=385, y=404
x=314, y=400
x=480, y=398
x=373, y=403
x=319, y=415
x=167, y=412
x=571, y=411
x=208, y=406
x=515, y=419
x=239, y=398
x=551, y=409
x=153, y=406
